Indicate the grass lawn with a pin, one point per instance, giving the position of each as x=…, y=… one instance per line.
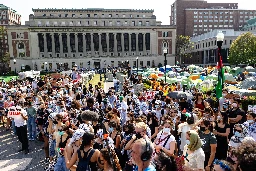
x=95, y=81
x=7, y=78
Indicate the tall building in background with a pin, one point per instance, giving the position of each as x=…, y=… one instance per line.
x=8, y=16
x=58, y=39
x=195, y=17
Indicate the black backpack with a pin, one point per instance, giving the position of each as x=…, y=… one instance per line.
x=84, y=162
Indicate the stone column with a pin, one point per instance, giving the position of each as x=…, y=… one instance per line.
x=130, y=44
x=68, y=44
x=92, y=45
x=122, y=43
x=76, y=44
x=115, y=45
x=84, y=45
x=144, y=44
x=61, y=45
x=53, y=46
x=137, y=44
x=100, y=46
x=107, y=39
x=45, y=46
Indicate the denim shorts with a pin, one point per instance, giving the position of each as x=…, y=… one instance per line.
x=61, y=164
x=52, y=146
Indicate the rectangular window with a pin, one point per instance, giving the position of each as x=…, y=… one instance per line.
x=95, y=15
x=200, y=25
x=110, y=15
x=195, y=26
x=140, y=23
x=124, y=15
x=88, y=15
x=215, y=25
x=118, y=23
x=73, y=15
x=200, y=12
x=66, y=15
x=147, y=23
x=205, y=16
x=205, y=21
x=133, y=23
x=195, y=12
x=81, y=15
x=195, y=16
x=103, y=15
x=195, y=20
x=220, y=25
x=130, y=15
x=110, y=23
x=125, y=22
x=95, y=23
x=200, y=21
x=200, y=16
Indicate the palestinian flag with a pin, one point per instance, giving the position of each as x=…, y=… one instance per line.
x=221, y=78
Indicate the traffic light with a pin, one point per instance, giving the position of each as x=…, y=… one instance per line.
x=89, y=62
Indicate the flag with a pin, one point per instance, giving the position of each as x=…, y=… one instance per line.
x=220, y=76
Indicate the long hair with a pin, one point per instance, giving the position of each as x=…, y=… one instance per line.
x=87, y=139
x=106, y=155
x=168, y=162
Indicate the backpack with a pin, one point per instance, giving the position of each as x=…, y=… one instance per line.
x=84, y=162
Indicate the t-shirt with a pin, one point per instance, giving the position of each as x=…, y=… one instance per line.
x=19, y=121
x=149, y=168
x=234, y=113
x=207, y=140
x=164, y=140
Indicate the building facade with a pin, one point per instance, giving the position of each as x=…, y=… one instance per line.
x=205, y=46
x=90, y=38
x=8, y=16
x=195, y=17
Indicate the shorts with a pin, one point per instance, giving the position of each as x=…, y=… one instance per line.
x=52, y=146
x=40, y=121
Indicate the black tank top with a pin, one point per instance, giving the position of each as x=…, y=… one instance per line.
x=63, y=144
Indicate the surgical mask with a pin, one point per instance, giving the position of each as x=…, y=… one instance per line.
x=187, y=142
x=110, y=129
x=224, y=94
x=157, y=106
x=250, y=121
x=234, y=105
x=219, y=118
x=237, y=134
x=61, y=133
x=167, y=130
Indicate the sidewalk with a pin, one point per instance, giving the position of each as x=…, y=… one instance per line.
x=107, y=85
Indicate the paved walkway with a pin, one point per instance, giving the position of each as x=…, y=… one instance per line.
x=107, y=85
x=12, y=160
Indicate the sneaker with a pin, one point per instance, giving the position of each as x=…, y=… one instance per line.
x=30, y=139
x=33, y=139
x=20, y=150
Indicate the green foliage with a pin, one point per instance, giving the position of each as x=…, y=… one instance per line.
x=243, y=50
x=183, y=46
x=146, y=86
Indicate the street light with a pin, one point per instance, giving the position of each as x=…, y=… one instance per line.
x=137, y=62
x=165, y=62
x=14, y=62
x=220, y=38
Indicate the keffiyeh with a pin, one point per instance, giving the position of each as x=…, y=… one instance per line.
x=76, y=136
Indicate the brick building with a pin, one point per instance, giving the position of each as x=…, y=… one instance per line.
x=8, y=16
x=57, y=39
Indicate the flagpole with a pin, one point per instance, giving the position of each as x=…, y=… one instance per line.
x=220, y=38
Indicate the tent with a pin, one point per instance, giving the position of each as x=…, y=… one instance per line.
x=168, y=68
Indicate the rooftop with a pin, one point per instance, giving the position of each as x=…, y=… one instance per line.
x=4, y=7
x=93, y=9
x=224, y=9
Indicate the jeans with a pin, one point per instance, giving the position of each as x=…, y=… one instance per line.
x=13, y=127
x=52, y=146
x=22, y=136
x=32, y=127
x=61, y=164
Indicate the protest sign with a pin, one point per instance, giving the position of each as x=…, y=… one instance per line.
x=13, y=112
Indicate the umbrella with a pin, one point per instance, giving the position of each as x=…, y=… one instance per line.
x=179, y=95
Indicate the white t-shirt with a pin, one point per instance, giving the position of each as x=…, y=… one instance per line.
x=164, y=140
x=19, y=121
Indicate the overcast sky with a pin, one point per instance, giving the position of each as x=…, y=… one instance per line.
x=162, y=7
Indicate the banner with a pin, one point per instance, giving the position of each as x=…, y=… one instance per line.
x=252, y=108
x=13, y=112
x=150, y=95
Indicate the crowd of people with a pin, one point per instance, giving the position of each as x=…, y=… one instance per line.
x=87, y=129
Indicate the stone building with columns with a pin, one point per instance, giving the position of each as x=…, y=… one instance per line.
x=58, y=39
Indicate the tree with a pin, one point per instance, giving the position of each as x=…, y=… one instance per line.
x=243, y=50
x=183, y=46
x=4, y=55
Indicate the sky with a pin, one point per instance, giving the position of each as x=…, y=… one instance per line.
x=162, y=8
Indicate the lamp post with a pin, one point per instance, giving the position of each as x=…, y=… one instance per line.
x=137, y=63
x=220, y=38
x=45, y=63
x=165, y=62
x=14, y=62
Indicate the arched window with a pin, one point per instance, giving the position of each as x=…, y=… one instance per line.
x=21, y=46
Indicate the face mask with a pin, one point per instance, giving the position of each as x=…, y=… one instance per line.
x=237, y=134
x=187, y=142
x=61, y=133
x=219, y=118
x=138, y=135
x=9, y=98
x=55, y=122
x=234, y=105
x=250, y=121
x=202, y=129
x=157, y=106
x=224, y=94
x=111, y=129
x=167, y=130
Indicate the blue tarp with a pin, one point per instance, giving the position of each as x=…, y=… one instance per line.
x=167, y=69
